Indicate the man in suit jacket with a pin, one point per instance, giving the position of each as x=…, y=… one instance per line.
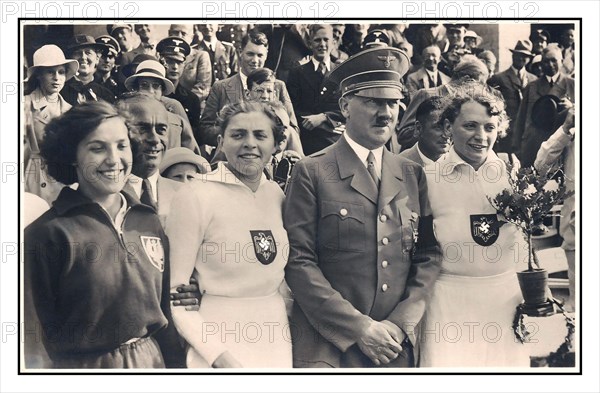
x=528, y=137
x=353, y=213
x=428, y=76
x=318, y=110
x=511, y=83
x=233, y=89
x=222, y=54
x=148, y=131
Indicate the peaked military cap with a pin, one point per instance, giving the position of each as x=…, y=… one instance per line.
x=173, y=47
x=374, y=72
x=112, y=44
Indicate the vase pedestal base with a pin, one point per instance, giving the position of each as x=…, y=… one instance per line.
x=545, y=309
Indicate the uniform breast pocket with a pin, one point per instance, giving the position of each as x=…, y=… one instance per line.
x=409, y=229
x=342, y=226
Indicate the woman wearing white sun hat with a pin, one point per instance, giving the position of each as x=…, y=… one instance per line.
x=45, y=79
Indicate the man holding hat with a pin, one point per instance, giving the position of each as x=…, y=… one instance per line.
x=172, y=54
x=362, y=253
x=511, y=83
x=558, y=90
x=107, y=65
x=82, y=87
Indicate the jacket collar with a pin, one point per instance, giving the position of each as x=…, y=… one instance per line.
x=70, y=199
x=349, y=165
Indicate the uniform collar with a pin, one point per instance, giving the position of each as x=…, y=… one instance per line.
x=69, y=199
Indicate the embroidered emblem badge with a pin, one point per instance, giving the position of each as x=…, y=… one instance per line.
x=264, y=246
x=154, y=251
x=484, y=229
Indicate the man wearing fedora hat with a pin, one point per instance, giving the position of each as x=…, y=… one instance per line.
x=529, y=131
x=82, y=87
x=107, y=65
x=172, y=54
x=511, y=83
x=362, y=253
x=149, y=79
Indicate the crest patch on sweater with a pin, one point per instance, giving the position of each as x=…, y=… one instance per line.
x=154, y=251
x=264, y=246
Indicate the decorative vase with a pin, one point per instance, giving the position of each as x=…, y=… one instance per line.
x=534, y=287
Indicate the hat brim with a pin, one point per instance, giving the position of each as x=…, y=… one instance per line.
x=200, y=162
x=177, y=56
x=71, y=66
x=168, y=85
x=387, y=92
x=523, y=52
x=95, y=45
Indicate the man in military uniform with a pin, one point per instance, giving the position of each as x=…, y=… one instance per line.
x=222, y=54
x=172, y=52
x=363, y=257
x=107, y=65
x=197, y=70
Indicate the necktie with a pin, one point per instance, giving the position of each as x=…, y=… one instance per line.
x=146, y=198
x=523, y=79
x=551, y=83
x=371, y=168
x=322, y=68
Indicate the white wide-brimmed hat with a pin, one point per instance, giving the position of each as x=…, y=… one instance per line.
x=150, y=69
x=183, y=155
x=52, y=56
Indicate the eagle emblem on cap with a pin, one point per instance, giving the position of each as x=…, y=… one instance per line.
x=387, y=60
x=106, y=40
x=177, y=42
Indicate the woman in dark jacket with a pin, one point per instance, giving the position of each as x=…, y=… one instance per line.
x=96, y=265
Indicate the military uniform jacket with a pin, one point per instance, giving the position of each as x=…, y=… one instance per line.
x=352, y=253
x=223, y=59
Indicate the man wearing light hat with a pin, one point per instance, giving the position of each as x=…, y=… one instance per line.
x=172, y=53
x=82, y=87
x=149, y=79
x=511, y=83
x=472, y=41
x=362, y=253
x=107, y=65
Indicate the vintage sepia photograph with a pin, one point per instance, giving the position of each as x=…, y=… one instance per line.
x=357, y=195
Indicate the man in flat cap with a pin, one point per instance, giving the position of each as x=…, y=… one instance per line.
x=540, y=39
x=362, y=252
x=172, y=53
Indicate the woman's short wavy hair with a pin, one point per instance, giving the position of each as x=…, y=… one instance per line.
x=229, y=111
x=473, y=91
x=64, y=133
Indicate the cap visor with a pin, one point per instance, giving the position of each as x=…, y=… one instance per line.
x=391, y=93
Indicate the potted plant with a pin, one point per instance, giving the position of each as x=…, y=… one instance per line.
x=525, y=204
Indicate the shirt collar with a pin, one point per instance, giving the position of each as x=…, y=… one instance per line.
x=212, y=43
x=316, y=63
x=452, y=160
x=363, y=153
x=136, y=183
x=520, y=72
x=426, y=160
x=432, y=74
x=553, y=78
x=69, y=199
x=244, y=79
x=222, y=174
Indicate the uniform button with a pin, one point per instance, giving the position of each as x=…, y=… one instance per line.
x=384, y=287
x=383, y=218
x=405, y=251
x=344, y=212
x=385, y=241
x=43, y=185
x=384, y=264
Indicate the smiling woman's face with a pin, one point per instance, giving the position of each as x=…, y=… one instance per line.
x=474, y=133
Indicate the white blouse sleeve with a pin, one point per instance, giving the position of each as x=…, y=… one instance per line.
x=185, y=227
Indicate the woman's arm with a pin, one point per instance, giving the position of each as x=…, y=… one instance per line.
x=185, y=227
